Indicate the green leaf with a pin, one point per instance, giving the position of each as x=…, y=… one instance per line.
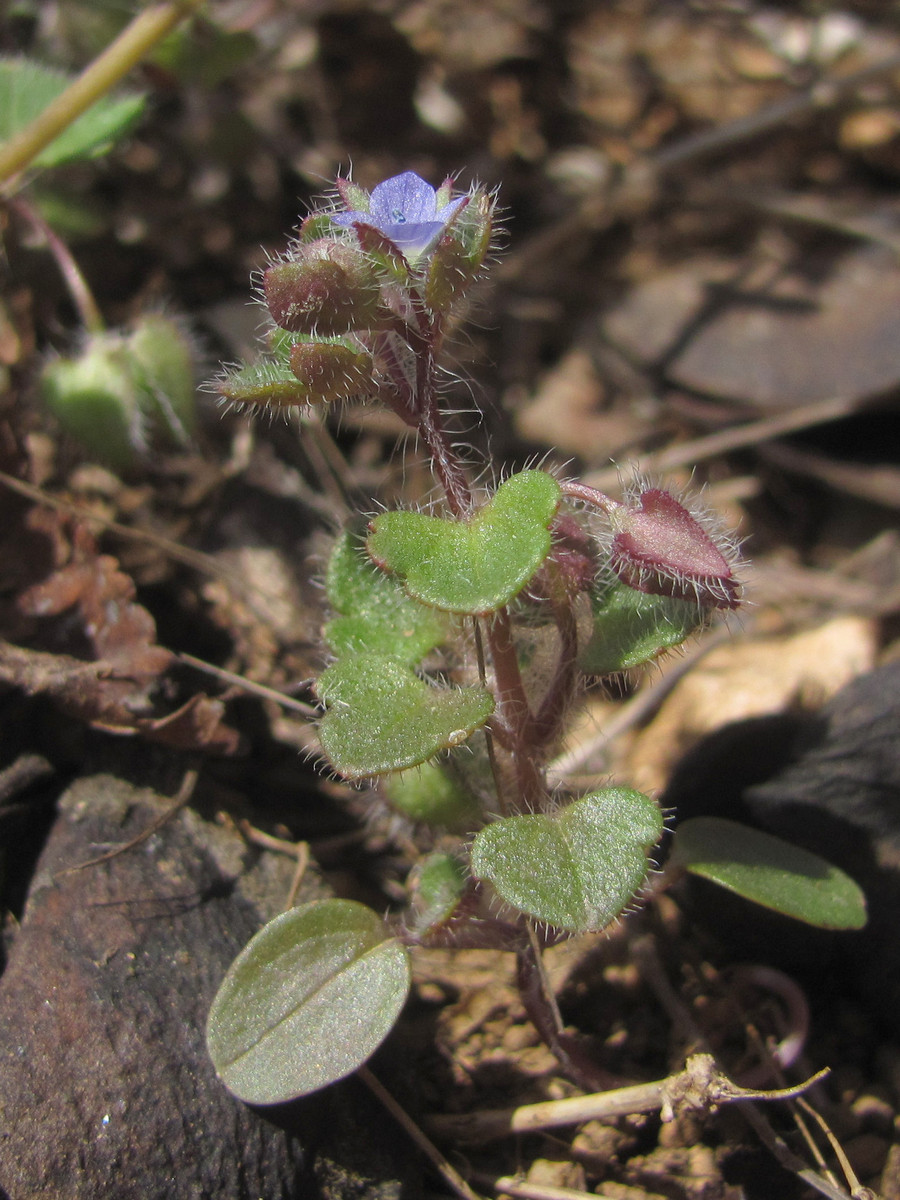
x=163, y=367
x=307, y=1001
x=264, y=383
x=769, y=872
x=436, y=885
x=631, y=628
x=473, y=566
x=430, y=793
x=95, y=399
x=27, y=88
x=576, y=870
x=382, y=717
x=376, y=614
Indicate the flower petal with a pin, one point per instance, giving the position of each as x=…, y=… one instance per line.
x=403, y=199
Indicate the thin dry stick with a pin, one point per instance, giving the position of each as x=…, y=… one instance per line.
x=786, y=1157
x=329, y=463
x=514, y=1185
x=700, y=1086
x=256, y=689
x=735, y=437
x=879, y=484
x=298, y=850
x=146, y=30
x=849, y=1174
x=634, y=711
x=299, y=872
x=196, y=559
x=651, y=969
x=182, y=797
x=266, y=841
x=448, y=1173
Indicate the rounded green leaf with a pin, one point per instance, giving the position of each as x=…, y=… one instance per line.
x=383, y=717
x=436, y=885
x=473, y=566
x=770, y=872
x=375, y=612
x=28, y=87
x=307, y=1001
x=96, y=400
x=632, y=627
x=578, y=869
x=430, y=793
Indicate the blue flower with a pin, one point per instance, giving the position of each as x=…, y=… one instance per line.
x=405, y=209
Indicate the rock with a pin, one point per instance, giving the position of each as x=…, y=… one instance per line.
x=105, y=1084
x=828, y=781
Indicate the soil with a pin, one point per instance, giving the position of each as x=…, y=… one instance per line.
x=698, y=279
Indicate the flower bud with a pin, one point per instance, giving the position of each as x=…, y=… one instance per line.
x=94, y=399
x=163, y=360
x=460, y=252
x=328, y=288
x=266, y=384
x=660, y=548
x=123, y=386
x=331, y=370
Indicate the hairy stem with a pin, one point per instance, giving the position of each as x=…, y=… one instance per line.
x=516, y=716
x=446, y=462
x=540, y=1004
x=558, y=696
x=589, y=495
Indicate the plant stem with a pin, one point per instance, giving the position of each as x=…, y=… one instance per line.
x=488, y=729
x=516, y=716
x=589, y=495
x=558, y=696
x=446, y=462
x=79, y=291
x=540, y=1004
x=133, y=43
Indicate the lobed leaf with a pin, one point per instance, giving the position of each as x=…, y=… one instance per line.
x=375, y=613
x=307, y=1001
x=28, y=87
x=473, y=566
x=631, y=628
x=382, y=717
x=769, y=871
x=576, y=870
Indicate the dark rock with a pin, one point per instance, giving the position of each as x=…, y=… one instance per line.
x=830, y=782
x=105, y=1084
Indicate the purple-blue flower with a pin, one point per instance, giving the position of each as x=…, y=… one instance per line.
x=405, y=209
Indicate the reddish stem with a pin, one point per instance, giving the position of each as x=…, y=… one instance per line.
x=515, y=714
x=558, y=696
x=589, y=495
x=570, y=1050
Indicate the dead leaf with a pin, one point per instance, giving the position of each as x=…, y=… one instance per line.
x=750, y=679
x=117, y=629
x=97, y=692
x=197, y=725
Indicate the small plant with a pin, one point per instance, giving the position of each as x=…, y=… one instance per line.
x=459, y=637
